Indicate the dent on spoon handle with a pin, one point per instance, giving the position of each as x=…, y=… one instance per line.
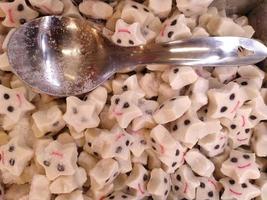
x=210, y=51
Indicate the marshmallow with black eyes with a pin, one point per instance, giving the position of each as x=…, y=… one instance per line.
x=75, y=195
x=17, y=13
x=168, y=150
x=128, y=34
x=148, y=107
x=241, y=166
x=47, y=121
x=160, y=8
x=138, y=180
x=199, y=163
x=259, y=140
x=67, y=184
x=184, y=182
x=58, y=159
x=39, y=188
x=14, y=105
x=15, y=155
x=209, y=188
x=181, y=76
x=48, y=7
x=238, y=191
x=125, y=108
x=262, y=184
x=159, y=184
x=214, y=144
x=259, y=110
x=172, y=109
x=174, y=28
x=96, y=9
x=103, y=173
x=193, y=7
x=80, y=114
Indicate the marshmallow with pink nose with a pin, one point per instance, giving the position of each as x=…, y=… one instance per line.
x=209, y=188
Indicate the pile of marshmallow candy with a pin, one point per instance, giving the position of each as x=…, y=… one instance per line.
x=158, y=132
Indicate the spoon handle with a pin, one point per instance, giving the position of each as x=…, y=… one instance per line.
x=209, y=51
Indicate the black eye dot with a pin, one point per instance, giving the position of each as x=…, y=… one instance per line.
x=176, y=187
x=206, y=110
x=95, y=153
x=46, y=163
x=11, y=148
x=152, y=139
x=111, y=197
x=244, y=185
x=145, y=177
x=131, y=42
x=166, y=192
x=20, y=7
x=174, y=164
x=154, y=148
x=252, y=117
x=176, y=70
x=143, y=142
x=175, y=127
x=118, y=149
x=210, y=194
x=161, y=106
x=187, y=122
x=74, y=110
x=233, y=126
x=134, y=6
x=127, y=143
x=177, y=152
x=6, y=96
x=10, y=108
x=232, y=182
x=146, y=10
x=12, y=162
x=170, y=34
x=119, y=41
x=234, y=160
x=244, y=83
x=124, y=196
x=247, y=130
x=178, y=177
x=126, y=105
x=60, y=168
x=223, y=109
x=125, y=88
x=246, y=156
x=165, y=180
x=22, y=21
x=232, y=96
x=107, y=180
x=202, y=185
x=217, y=146
x=117, y=100
x=174, y=22
x=89, y=144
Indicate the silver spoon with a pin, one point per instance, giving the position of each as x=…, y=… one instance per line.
x=64, y=56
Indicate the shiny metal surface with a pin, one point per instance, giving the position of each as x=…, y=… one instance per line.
x=63, y=56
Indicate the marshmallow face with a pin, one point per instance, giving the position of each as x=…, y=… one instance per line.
x=17, y=13
x=58, y=159
x=184, y=182
x=241, y=166
x=209, y=188
x=13, y=103
x=234, y=190
x=80, y=115
x=14, y=156
x=128, y=35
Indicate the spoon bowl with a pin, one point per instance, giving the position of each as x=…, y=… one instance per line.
x=64, y=56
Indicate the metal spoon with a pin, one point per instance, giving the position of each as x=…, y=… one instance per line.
x=64, y=56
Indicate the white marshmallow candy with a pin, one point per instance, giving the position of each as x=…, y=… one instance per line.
x=159, y=184
x=150, y=84
x=193, y=7
x=199, y=32
x=208, y=188
x=184, y=183
x=259, y=140
x=39, y=188
x=104, y=172
x=17, y=13
x=67, y=184
x=262, y=184
x=128, y=34
x=80, y=114
x=15, y=155
x=58, y=159
x=120, y=196
x=259, y=110
x=48, y=7
x=160, y=8
x=86, y=161
x=76, y=195
x=70, y=10
x=241, y=166
x=96, y=9
x=4, y=63
x=47, y=121
x=199, y=163
x=238, y=191
x=225, y=74
x=172, y=109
